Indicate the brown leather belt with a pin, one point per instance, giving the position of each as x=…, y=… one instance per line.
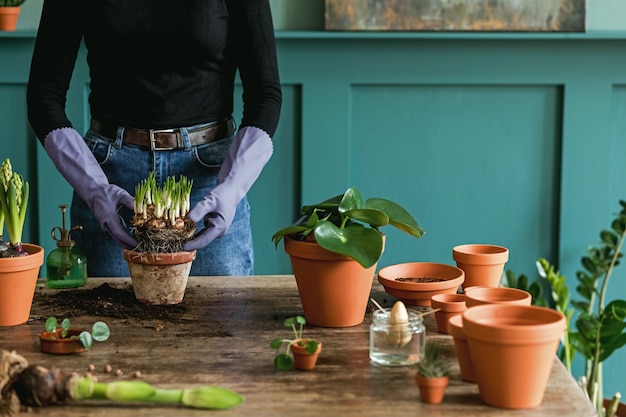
x=167, y=139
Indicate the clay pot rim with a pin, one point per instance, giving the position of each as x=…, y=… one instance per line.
x=496, y=295
x=301, y=350
x=448, y=302
x=23, y=263
x=311, y=250
x=452, y=275
x=480, y=254
x=60, y=346
x=71, y=332
x=149, y=258
x=455, y=327
x=495, y=323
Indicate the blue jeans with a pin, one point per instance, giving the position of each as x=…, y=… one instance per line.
x=126, y=166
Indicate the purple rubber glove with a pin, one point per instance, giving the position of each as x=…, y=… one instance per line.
x=79, y=167
x=247, y=155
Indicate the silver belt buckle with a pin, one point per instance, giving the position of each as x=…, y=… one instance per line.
x=151, y=133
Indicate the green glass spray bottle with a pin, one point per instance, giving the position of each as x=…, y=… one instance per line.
x=66, y=266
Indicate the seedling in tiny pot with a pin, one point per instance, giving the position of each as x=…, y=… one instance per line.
x=99, y=331
x=284, y=361
x=13, y=203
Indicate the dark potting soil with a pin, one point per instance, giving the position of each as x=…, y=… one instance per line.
x=105, y=301
x=420, y=279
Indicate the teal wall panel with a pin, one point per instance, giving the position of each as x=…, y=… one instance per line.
x=473, y=163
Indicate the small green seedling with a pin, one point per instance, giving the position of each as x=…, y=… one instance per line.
x=284, y=361
x=99, y=331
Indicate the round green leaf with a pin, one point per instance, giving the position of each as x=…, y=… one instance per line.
x=51, y=324
x=359, y=243
x=283, y=362
x=100, y=331
x=86, y=340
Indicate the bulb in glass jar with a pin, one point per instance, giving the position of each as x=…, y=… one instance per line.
x=398, y=333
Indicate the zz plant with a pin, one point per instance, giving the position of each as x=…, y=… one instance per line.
x=349, y=225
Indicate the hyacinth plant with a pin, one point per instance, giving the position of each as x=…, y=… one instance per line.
x=160, y=223
x=14, y=192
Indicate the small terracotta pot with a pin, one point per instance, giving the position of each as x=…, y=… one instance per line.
x=53, y=343
x=402, y=281
x=497, y=295
x=513, y=348
x=455, y=329
x=9, y=17
x=159, y=278
x=302, y=359
x=18, y=279
x=449, y=305
x=432, y=390
x=482, y=264
x=334, y=289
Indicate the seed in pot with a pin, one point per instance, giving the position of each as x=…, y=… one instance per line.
x=398, y=333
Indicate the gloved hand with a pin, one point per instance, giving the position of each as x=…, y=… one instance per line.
x=79, y=167
x=251, y=149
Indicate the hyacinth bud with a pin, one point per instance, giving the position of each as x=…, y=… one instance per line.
x=6, y=172
x=18, y=181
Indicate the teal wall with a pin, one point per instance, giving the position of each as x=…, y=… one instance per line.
x=513, y=139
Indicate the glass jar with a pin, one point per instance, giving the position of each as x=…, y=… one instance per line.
x=393, y=344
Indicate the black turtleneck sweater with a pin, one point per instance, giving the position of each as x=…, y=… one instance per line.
x=156, y=63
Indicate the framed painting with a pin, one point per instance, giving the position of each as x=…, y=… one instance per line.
x=456, y=15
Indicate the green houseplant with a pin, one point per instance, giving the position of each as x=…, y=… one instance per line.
x=19, y=262
x=159, y=267
x=334, y=248
x=299, y=351
x=349, y=225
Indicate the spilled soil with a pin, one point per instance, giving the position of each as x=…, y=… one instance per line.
x=106, y=301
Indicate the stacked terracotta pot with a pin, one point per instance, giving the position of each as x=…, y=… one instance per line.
x=503, y=343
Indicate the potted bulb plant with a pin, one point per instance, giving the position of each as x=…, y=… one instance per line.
x=159, y=268
x=9, y=13
x=334, y=249
x=299, y=352
x=433, y=373
x=19, y=262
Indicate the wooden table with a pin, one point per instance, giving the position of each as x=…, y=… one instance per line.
x=222, y=338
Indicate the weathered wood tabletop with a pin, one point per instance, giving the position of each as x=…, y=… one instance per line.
x=221, y=337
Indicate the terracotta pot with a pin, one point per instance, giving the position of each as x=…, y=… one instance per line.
x=449, y=305
x=334, y=289
x=159, y=278
x=512, y=348
x=18, y=278
x=455, y=329
x=432, y=390
x=402, y=281
x=483, y=264
x=302, y=359
x=53, y=343
x=8, y=18
x=497, y=295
